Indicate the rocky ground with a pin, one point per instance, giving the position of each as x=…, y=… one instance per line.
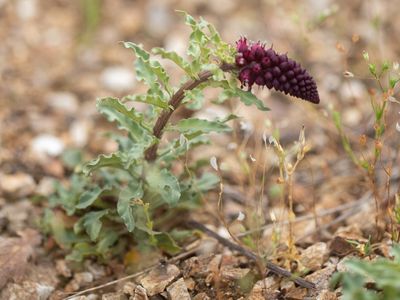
x=58, y=56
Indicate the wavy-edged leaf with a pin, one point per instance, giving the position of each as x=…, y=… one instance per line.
x=165, y=185
x=194, y=98
x=133, y=191
x=194, y=125
x=127, y=119
x=174, y=57
x=103, y=160
x=148, y=99
x=88, y=197
x=149, y=71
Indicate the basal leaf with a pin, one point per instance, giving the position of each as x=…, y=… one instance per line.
x=165, y=185
x=166, y=243
x=124, y=206
x=80, y=251
x=88, y=197
x=107, y=238
x=91, y=223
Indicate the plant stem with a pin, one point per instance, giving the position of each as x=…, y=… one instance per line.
x=176, y=100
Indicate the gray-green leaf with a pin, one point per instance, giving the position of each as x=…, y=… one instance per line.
x=164, y=184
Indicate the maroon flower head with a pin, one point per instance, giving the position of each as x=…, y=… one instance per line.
x=265, y=67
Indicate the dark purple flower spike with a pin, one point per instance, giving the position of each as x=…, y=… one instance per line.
x=265, y=67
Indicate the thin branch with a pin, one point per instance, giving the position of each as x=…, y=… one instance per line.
x=270, y=266
x=176, y=100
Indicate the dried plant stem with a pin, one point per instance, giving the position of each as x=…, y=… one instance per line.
x=176, y=100
x=270, y=266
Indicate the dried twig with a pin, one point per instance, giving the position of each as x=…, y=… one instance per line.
x=270, y=266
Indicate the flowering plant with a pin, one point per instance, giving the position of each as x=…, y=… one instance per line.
x=133, y=192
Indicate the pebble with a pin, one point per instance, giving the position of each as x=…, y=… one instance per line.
x=63, y=102
x=158, y=18
x=45, y=186
x=79, y=132
x=46, y=144
x=118, y=79
x=19, y=184
x=156, y=281
x=26, y=9
x=178, y=291
x=314, y=256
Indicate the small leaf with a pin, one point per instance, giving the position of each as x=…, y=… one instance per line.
x=249, y=98
x=88, y=197
x=196, y=98
x=124, y=206
x=164, y=184
x=207, y=182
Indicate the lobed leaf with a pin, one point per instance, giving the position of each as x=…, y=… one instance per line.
x=129, y=120
x=174, y=57
x=194, y=125
x=149, y=71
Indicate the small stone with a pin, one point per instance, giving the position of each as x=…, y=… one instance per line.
x=268, y=286
x=229, y=274
x=129, y=288
x=113, y=296
x=158, y=18
x=178, y=291
x=63, y=102
x=190, y=283
x=46, y=144
x=201, y=296
x=322, y=277
x=17, y=185
x=83, y=278
x=140, y=293
x=156, y=281
x=27, y=9
x=314, y=256
x=62, y=268
x=45, y=186
x=79, y=132
x=326, y=295
x=118, y=79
